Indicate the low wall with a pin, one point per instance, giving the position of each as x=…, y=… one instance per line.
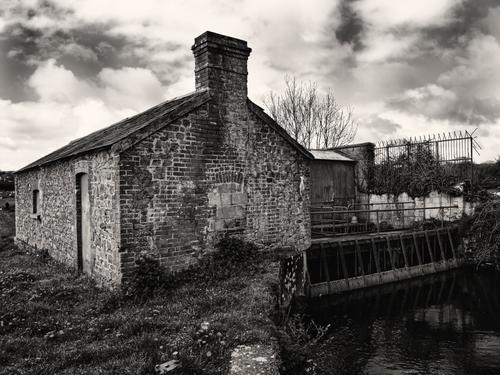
x=402, y=218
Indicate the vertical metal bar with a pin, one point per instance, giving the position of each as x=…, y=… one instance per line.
x=324, y=263
x=355, y=260
x=389, y=250
x=360, y=258
x=403, y=249
x=441, y=248
x=342, y=258
x=403, y=213
x=429, y=245
x=451, y=243
x=471, y=161
x=415, y=243
x=375, y=255
x=337, y=263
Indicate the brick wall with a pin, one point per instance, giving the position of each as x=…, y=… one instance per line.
x=56, y=229
x=219, y=170
x=187, y=185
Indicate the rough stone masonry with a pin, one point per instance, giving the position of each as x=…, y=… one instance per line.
x=171, y=181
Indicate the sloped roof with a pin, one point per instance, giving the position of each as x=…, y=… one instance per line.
x=168, y=111
x=259, y=112
x=107, y=137
x=330, y=155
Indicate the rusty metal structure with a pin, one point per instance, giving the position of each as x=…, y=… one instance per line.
x=358, y=243
x=453, y=152
x=334, y=265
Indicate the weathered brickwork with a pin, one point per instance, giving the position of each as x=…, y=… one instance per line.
x=178, y=178
x=221, y=169
x=55, y=231
x=188, y=184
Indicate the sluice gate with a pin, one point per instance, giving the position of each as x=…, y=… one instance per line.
x=338, y=264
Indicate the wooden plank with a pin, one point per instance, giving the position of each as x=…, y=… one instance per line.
x=441, y=248
x=360, y=258
x=415, y=243
x=403, y=249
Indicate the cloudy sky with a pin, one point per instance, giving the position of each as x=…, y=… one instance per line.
x=69, y=67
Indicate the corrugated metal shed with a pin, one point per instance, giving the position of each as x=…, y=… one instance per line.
x=330, y=155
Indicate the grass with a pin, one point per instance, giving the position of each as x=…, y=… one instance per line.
x=54, y=321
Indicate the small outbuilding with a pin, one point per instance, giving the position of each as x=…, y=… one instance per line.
x=332, y=176
x=171, y=181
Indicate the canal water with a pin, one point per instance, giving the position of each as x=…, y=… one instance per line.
x=441, y=324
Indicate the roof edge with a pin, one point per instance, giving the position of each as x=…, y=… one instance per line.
x=184, y=107
x=177, y=112
x=259, y=111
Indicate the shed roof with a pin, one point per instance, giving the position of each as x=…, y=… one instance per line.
x=330, y=155
x=107, y=137
x=118, y=134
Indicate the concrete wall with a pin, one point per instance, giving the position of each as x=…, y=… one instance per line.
x=55, y=231
x=402, y=218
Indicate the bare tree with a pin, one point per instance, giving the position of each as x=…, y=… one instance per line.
x=310, y=117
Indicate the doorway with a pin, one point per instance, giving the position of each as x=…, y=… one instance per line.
x=85, y=259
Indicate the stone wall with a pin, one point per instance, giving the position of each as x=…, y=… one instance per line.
x=220, y=170
x=198, y=179
x=55, y=230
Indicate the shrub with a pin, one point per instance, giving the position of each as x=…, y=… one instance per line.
x=209, y=353
x=299, y=340
x=232, y=257
x=482, y=233
x=147, y=277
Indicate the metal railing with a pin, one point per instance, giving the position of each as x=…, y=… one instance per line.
x=345, y=221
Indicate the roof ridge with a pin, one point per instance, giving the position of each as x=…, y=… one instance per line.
x=110, y=135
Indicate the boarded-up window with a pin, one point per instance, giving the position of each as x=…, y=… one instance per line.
x=36, y=201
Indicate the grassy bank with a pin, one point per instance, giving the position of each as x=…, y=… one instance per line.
x=54, y=321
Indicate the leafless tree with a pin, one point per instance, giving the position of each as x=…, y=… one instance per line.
x=310, y=117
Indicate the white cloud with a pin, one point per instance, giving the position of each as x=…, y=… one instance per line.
x=69, y=108
x=54, y=83
x=389, y=13
x=295, y=38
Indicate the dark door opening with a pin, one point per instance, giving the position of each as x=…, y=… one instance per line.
x=85, y=261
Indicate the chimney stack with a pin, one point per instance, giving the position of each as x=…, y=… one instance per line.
x=221, y=65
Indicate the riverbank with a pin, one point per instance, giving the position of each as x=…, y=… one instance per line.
x=54, y=321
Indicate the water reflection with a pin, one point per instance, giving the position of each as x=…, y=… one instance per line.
x=442, y=324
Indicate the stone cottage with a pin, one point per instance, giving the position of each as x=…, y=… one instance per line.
x=170, y=181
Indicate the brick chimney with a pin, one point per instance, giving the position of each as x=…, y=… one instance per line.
x=221, y=65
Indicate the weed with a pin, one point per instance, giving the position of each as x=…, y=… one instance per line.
x=298, y=340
